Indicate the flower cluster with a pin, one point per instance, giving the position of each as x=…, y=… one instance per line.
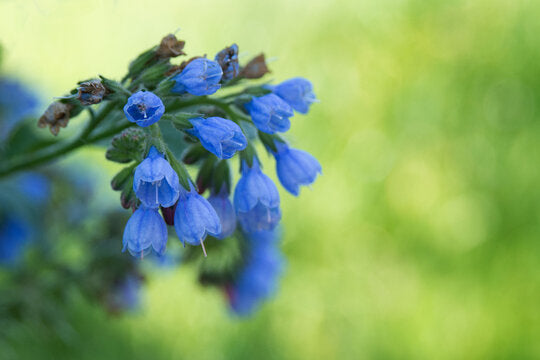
x=170, y=121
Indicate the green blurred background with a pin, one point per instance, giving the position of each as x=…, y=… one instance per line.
x=420, y=240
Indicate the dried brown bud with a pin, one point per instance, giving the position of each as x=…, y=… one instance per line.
x=170, y=47
x=255, y=69
x=56, y=116
x=91, y=92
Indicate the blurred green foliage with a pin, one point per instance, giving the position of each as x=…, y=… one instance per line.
x=422, y=238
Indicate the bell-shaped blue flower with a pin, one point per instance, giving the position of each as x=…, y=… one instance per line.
x=257, y=280
x=228, y=60
x=145, y=230
x=199, y=77
x=297, y=92
x=225, y=211
x=221, y=137
x=144, y=108
x=155, y=182
x=295, y=167
x=195, y=218
x=256, y=200
x=270, y=113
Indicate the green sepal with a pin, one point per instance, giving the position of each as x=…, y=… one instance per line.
x=181, y=120
x=127, y=146
x=119, y=180
x=194, y=153
x=152, y=75
x=164, y=87
x=180, y=169
x=205, y=174
x=141, y=62
x=248, y=154
x=115, y=90
x=268, y=140
x=128, y=199
x=221, y=177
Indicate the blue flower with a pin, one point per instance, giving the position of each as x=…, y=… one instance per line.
x=221, y=137
x=297, y=92
x=228, y=60
x=270, y=113
x=295, y=167
x=195, y=218
x=256, y=200
x=16, y=103
x=155, y=182
x=199, y=77
x=34, y=186
x=15, y=235
x=257, y=280
x=144, y=108
x=225, y=211
x=145, y=229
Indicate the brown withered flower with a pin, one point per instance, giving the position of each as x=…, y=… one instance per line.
x=170, y=47
x=255, y=69
x=91, y=92
x=56, y=116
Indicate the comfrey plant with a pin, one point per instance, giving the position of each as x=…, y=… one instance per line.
x=169, y=121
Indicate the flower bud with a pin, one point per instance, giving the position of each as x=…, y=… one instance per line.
x=270, y=113
x=297, y=92
x=228, y=60
x=200, y=77
x=222, y=137
x=91, y=92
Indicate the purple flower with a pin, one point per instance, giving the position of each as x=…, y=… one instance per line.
x=297, y=92
x=144, y=230
x=256, y=200
x=225, y=211
x=270, y=113
x=199, y=77
x=155, y=182
x=221, y=137
x=295, y=167
x=195, y=218
x=257, y=280
x=144, y=108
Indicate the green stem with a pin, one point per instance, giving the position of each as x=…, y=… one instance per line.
x=27, y=162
